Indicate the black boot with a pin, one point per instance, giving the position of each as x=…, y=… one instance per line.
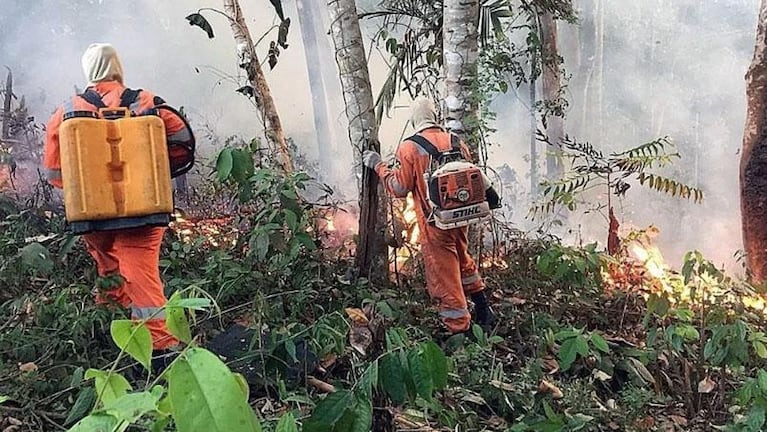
x=483, y=314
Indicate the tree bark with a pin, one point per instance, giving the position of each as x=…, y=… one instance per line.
x=363, y=132
x=552, y=88
x=461, y=50
x=6, y=130
x=263, y=95
x=308, y=15
x=753, y=161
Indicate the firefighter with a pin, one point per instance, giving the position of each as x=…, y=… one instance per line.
x=128, y=256
x=451, y=273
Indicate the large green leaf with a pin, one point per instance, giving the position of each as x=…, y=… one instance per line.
x=392, y=378
x=176, y=320
x=420, y=373
x=133, y=337
x=329, y=411
x=436, y=361
x=108, y=386
x=205, y=395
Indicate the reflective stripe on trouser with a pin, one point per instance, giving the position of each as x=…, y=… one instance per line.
x=442, y=251
x=135, y=254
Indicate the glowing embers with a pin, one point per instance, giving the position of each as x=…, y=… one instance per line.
x=211, y=232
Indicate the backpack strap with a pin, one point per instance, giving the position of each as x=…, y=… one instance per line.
x=129, y=97
x=426, y=145
x=455, y=142
x=93, y=97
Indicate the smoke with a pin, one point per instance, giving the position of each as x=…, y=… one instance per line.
x=643, y=70
x=664, y=69
x=42, y=41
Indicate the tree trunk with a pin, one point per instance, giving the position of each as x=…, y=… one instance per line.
x=308, y=15
x=363, y=131
x=6, y=131
x=534, y=181
x=753, y=161
x=460, y=49
x=552, y=88
x=263, y=95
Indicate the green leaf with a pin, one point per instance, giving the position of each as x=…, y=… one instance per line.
x=420, y=373
x=363, y=416
x=291, y=219
x=84, y=403
x=329, y=411
x=205, y=395
x=755, y=418
x=242, y=166
x=567, y=354
x=760, y=348
x=189, y=303
x=108, y=386
x=134, y=338
x=132, y=406
x=761, y=379
x=369, y=380
x=599, y=343
x=392, y=378
x=98, y=422
x=176, y=320
x=290, y=194
x=260, y=245
x=436, y=361
x=287, y=423
x=4, y=398
x=77, y=377
x=306, y=241
x=224, y=164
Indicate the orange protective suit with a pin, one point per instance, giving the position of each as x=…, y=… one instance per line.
x=133, y=253
x=451, y=274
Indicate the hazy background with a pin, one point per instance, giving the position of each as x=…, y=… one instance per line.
x=672, y=68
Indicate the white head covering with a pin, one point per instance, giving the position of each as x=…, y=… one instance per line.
x=101, y=63
x=423, y=114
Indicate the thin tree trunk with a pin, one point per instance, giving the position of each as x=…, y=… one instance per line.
x=308, y=15
x=6, y=131
x=363, y=132
x=263, y=95
x=753, y=162
x=552, y=88
x=534, y=181
x=601, y=68
x=461, y=50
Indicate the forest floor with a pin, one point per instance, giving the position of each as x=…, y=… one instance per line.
x=584, y=341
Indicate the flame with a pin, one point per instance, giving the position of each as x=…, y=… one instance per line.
x=645, y=271
x=410, y=233
x=651, y=258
